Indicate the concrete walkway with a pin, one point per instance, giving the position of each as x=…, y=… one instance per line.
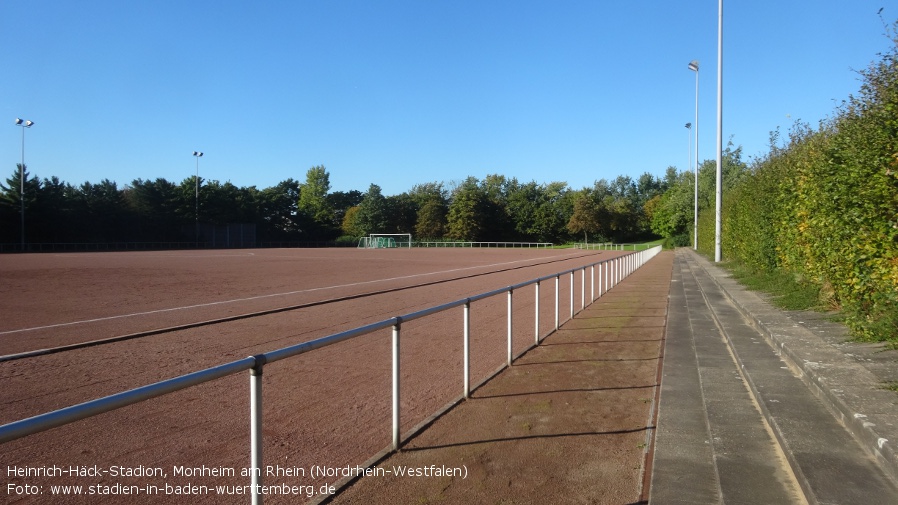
x=757, y=409
x=570, y=422
x=754, y=405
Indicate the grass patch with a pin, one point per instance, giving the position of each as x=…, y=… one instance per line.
x=787, y=291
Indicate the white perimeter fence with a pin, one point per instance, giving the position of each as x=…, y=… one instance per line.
x=610, y=273
x=611, y=246
x=514, y=245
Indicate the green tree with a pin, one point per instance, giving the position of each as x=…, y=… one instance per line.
x=55, y=210
x=587, y=216
x=313, y=201
x=277, y=212
x=674, y=212
x=10, y=198
x=556, y=206
x=372, y=214
x=341, y=202
x=155, y=205
x=431, y=223
x=100, y=210
x=431, y=201
x=351, y=226
x=402, y=213
x=466, y=211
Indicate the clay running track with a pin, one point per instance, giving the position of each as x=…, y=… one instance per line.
x=185, y=311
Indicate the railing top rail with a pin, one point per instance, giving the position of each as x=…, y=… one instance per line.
x=42, y=422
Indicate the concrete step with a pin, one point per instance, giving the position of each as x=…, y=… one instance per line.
x=736, y=422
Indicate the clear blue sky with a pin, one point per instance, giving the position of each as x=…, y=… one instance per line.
x=405, y=92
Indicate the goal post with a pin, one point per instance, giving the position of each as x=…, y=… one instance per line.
x=386, y=241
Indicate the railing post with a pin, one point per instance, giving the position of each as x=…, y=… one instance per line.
x=510, y=290
x=255, y=428
x=606, y=276
x=536, y=316
x=592, y=283
x=583, y=288
x=572, y=294
x=556, y=301
x=467, y=349
x=396, y=329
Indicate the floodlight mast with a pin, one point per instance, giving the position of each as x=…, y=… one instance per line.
x=693, y=65
x=196, y=210
x=719, y=190
x=689, y=144
x=24, y=123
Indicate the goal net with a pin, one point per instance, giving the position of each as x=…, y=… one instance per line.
x=386, y=241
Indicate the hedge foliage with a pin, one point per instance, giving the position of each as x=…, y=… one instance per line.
x=824, y=206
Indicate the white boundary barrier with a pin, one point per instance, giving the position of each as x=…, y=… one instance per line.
x=615, y=270
x=610, y=246
x=523, y=245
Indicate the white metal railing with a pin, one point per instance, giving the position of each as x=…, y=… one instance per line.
x=443, y=243
x=611, y=246
x=612, y=270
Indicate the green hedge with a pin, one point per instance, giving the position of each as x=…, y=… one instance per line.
x=825, y=206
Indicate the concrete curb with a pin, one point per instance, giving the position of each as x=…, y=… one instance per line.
x=848, y=389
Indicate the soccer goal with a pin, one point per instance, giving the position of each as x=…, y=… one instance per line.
x=386, y=241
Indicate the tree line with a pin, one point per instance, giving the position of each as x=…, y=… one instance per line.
x=494, y=208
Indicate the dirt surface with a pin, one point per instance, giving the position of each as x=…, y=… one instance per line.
x=569, y=422
x=328, y=408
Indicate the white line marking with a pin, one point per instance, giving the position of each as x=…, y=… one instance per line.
x=260, y=297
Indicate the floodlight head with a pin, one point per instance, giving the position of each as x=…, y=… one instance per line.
x=693, y=65
x=19, y=121
x=197, y=154
x=28, y=124
x=688, y=125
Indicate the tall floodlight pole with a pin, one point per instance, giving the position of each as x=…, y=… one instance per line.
x=693, y=65
x=719, y=130
x=196, y=211
x=24, y=123
x=689, y=143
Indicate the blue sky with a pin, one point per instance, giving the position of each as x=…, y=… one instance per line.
x=399, y=93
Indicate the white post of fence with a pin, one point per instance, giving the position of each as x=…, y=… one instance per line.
x=606, y=277
x=509, y=325
x=396, y=330
x=536, y=316
x=614, y=273
x=255, y=429
x=592, y=283
x=572, y=294
x=583, y=288
x=467, y=349
x=556, y=301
